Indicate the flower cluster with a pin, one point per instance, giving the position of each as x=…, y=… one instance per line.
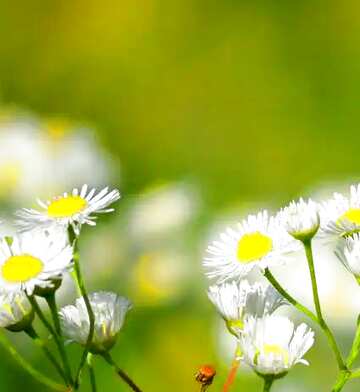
x=33, y=263
x=268, y=342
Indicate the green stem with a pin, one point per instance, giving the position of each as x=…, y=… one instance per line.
x=48, y=326
x=91, y=372
x=322, y=323
x=51, y=301
x=121, y=373
x=343, y=377
x=271, y=278
x=26, y=366
x=355, y=348
x=30, y=331
x=354, y=352
x=355, y=373
x=76, y=257
x=268, y=382
x=74, y=277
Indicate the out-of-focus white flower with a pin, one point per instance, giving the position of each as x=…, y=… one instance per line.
x=340, y=306
x=74, y=156
x=348, y=252
x=38, y=158
x=34, y=260
x=16, y=312
x=75, y=209
x=22, y=160
x=340, y=216
x=162, y=210
x=109, y=311
x=301, y=219
x=271, y=345
x=235, y=300
x=259, y=242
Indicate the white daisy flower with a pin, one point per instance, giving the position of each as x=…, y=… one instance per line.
x=259, y=241
x=340, y=216
x=109, y=310
x=235, y=300
x=301, y=219
x=271, y=345
x=75, y=209
x=16, y=312
x=34, y=260
x=348, y=253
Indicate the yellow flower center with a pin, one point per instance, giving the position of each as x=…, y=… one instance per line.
x=66, y=206
x=21, y=268
x=253, y=246
x=276, y=350
x=352, y=215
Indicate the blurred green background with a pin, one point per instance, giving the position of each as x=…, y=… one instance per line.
x=197, y=110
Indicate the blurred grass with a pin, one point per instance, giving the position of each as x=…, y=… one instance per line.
x=250, y=100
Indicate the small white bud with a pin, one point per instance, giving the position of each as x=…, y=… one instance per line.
x=16, y=313
x=301, y=219
x=109, y=311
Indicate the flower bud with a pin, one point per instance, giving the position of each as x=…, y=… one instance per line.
x=205, y=375
x=109, y=312
x=16, y=312
x=235, y=300
x=348, y=252
x=301, y=219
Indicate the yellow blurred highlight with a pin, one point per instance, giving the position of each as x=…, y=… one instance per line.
x=56, y=128
x=10, y=176
x=158, y=278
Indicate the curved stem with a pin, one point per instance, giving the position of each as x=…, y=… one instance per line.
x=233, y=370
x=354, y=352
x=121, y=373
x=48, y=326
x=75, y=279
x=355, y=348
x=271, y=278
x=91, y=372
x=322, y=323
x=268, y=382
x=81, y=285
x=26, y=366
x=30, y=331
x=342, y=379
x=51, y=301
